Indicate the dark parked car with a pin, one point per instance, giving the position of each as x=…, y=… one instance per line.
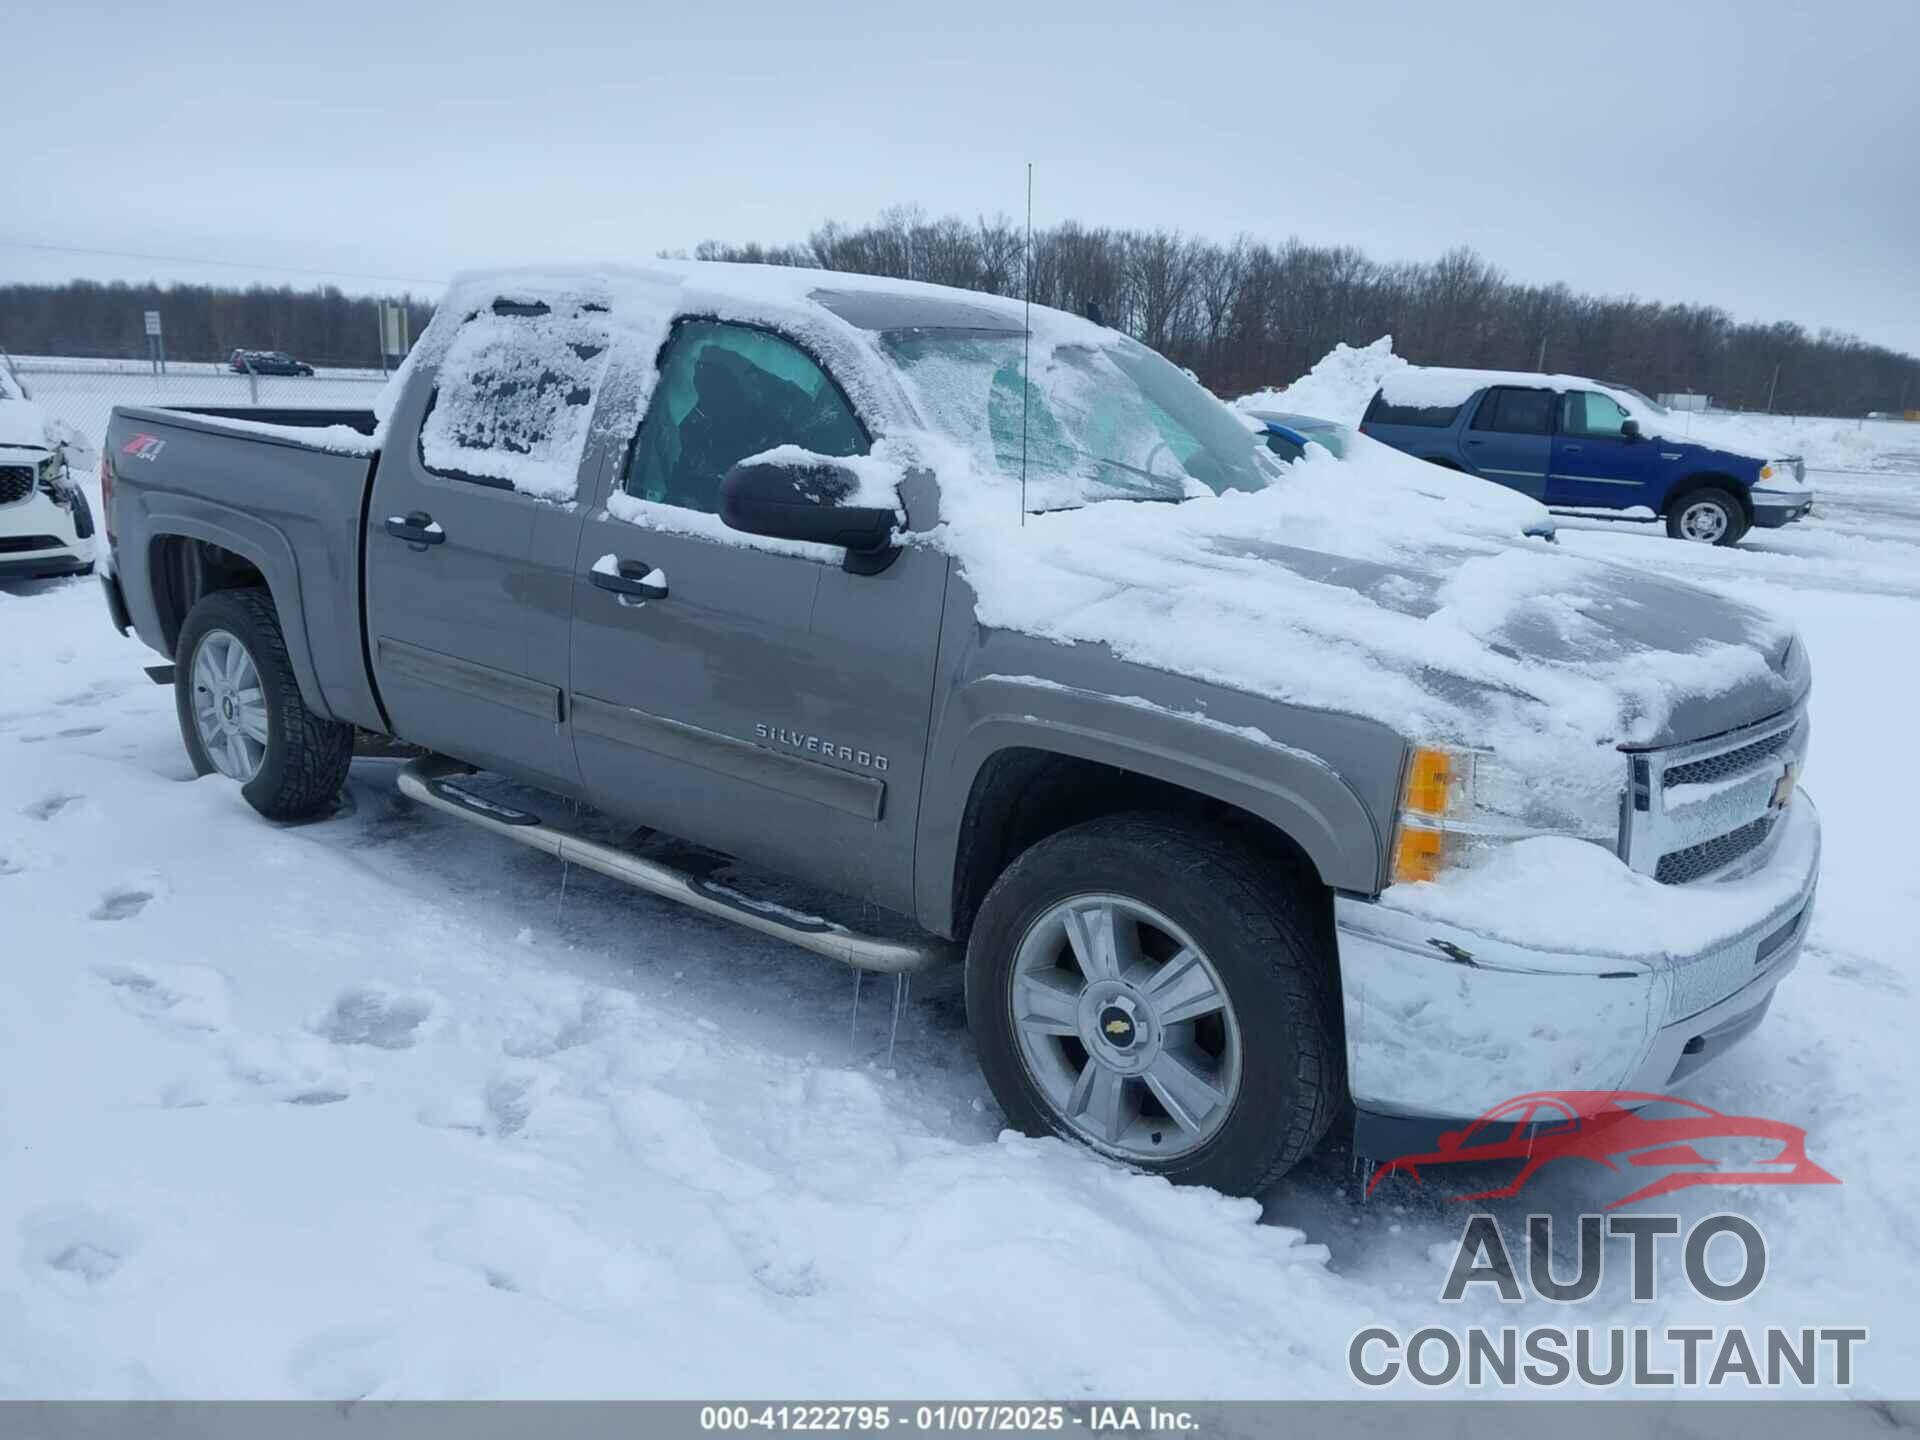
x=268, y=362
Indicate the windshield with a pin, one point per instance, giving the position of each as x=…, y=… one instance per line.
x=1103, y=422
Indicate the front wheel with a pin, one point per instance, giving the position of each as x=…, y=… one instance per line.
x=1708, y=516
x=241, y=712
x=1158, y=992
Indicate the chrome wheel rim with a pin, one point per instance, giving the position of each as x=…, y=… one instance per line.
x=229, y=706
x=1703, y=521
x=1125, y=1028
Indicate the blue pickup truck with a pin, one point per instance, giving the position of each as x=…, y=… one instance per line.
x=1580, y=444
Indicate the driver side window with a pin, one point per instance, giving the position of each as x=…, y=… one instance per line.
x=1589, y=413
x=726, y=392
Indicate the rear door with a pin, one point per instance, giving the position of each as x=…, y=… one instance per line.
x=1595, y=464
x=471, y=537
x=763, y=701
x=1510, y=438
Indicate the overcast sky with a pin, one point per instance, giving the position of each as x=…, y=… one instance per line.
x=1762, y=156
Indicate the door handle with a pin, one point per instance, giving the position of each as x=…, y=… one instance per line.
x=634, y=581
x=1565, y=446
x=417, y=528
x=1472, y=441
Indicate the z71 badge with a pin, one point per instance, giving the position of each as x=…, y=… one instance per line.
x=818, y=745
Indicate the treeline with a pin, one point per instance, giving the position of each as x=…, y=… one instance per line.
x=201, y=322
x=1250, y=315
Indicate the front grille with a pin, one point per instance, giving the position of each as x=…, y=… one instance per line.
x=20, y=544
x=16, y=483
x=1678, y=867
x=1720, y=767
x=1694, y=811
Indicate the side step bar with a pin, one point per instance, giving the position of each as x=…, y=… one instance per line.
x=431, y=781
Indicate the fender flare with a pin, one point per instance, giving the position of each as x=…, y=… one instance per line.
x=267, y=549
x=1296, y=791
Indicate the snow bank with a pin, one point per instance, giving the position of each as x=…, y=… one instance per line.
x=1338, y=388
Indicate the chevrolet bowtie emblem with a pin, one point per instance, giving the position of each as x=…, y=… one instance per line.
x=1118, y=1027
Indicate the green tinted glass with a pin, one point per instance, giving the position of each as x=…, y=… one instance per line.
x=726, y=392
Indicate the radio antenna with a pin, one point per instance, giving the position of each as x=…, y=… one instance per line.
x=1026, y=350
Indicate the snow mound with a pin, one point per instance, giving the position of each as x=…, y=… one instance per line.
x=1338, y=388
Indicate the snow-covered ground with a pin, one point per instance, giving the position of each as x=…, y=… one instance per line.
x=378, y=1106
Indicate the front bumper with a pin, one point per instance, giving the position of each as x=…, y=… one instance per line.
x=1443, y=1024
x=1774, y=508
x=40, y=539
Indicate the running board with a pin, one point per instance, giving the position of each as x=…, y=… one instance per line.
x=432, y=781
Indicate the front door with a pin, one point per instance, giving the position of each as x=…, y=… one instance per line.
x=1595, y=463
x=470, y=543
x=1510, y=439
x=748, y=694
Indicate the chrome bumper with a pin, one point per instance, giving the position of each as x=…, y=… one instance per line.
x=1447, y=1023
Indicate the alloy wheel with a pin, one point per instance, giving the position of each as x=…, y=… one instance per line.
x=229, y=706
x=1125, y=1027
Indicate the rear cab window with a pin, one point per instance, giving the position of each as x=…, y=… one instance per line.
x=513, y=398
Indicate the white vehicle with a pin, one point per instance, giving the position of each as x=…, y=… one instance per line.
x=46, y=526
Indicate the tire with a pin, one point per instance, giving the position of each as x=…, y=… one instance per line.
x=303, y=760
x=1264, y=939
x=1707, y=516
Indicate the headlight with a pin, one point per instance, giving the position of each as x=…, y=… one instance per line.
x=1460, y=803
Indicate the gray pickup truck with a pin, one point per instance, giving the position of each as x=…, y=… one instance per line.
x=910, y=627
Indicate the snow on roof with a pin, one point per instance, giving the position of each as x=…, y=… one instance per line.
x=529, y=363
x=1424, y=385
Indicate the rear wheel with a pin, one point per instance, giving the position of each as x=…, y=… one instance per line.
x=1707, y=516
x=1155, y=991
x=241, y=713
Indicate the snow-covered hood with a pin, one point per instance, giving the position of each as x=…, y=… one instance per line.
x=1438, y=620
x=23, y=425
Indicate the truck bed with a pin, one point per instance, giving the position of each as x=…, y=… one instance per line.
x=280, y=490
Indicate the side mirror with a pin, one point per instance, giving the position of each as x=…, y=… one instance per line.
x=1630, y=429
x=806, y=502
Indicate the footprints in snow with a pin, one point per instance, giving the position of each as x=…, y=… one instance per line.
x=51, y=806
x=121, y=904
x=192, y=997
x=77, y=732
x=375, y=1015
x=76, y=1245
